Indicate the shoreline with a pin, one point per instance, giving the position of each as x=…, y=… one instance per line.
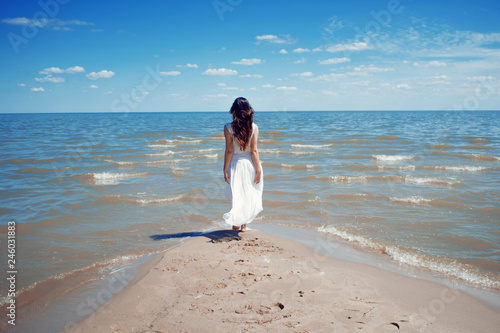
x=332, y=246
x=266, y=281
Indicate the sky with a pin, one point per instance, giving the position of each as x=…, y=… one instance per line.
x=195, y=55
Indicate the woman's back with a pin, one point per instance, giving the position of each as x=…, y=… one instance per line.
x=236, y=145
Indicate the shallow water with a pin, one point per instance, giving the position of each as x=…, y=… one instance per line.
x=88, y=191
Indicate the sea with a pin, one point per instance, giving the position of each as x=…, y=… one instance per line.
x=91, y=192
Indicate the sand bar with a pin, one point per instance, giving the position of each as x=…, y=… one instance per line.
x=254, y=282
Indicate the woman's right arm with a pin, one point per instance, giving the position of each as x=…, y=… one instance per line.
x=254, y=152
x=228, y=153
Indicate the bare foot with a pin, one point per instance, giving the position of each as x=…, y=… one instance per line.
x=236, y=228
x=244, y=228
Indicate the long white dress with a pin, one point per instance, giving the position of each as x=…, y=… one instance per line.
x=245, y=195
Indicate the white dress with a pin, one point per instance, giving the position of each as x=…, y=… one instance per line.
x=245, y=195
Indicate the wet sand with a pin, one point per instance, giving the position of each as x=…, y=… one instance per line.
x=225, y=281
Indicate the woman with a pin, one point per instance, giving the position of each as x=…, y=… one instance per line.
x=242, y=169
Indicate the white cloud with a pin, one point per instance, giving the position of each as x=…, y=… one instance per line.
x=358, y=83
x=247, y=62
x=329, y=77
x=329, y=92
x=57, y=70
x=304, y=74
x=257, y=76
x=52, y=70
x=220, y=71
x=188, y=66
x=50, y=78
x=221, y=84
x=437, y=79
x=372, y=69
x=93, y=86
x=217, y=96
x=37, y=89
x=481, y=78
x=332, y=61
x=301, y=61
x=301, y=50
x=54, y=23
x=267, y=86
x=402, y=86
x=283, y=51
x=436, y=63
x=231, y=88
x=283, y=39
x=171, y=73
x=104, y=74
x=21, y=85
x=74, y=70
x=287, y=88
x=433, y=63
x=356, y=46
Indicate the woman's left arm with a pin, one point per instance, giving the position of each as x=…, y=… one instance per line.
x=228, y=153
x=254, y=153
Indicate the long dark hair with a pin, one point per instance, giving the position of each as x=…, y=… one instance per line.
x=242, y=121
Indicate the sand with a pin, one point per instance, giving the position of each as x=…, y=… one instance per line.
x=254, y=282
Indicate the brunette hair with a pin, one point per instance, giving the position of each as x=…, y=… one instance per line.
x=242, y=121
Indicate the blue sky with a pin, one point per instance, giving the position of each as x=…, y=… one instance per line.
x=179, y=55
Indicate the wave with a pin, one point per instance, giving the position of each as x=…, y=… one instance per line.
x=360, y=179
x=418, y=200
x=380, y=167
x=445, y=266
x=277, y=151
x=413, y=168
x=479, y=157
x=431, y=181
x=296, y=145
x=290, y=166
x=153, y=201
x=163, y=162
x=456, y=168
x=415, y=199
x=122, y=163
x=165, y=153
x=387, y=137
x=351, y=196
x=478, y=140
x=108, y=178
x=198, y=157
x=177, y=141
x=111, y=199
x=206, y=150
x=175, y=169
x=162, y=146
x=393, y=158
